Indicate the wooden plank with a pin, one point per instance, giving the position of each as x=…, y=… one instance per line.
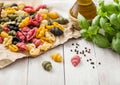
x=15, y=74
x=38, y=76
x=84, y=74
x=57, y=75
x=109, y=70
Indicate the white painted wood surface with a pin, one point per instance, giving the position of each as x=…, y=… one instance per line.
x=30, y=72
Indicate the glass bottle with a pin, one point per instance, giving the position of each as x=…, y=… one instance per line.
x=86, y=7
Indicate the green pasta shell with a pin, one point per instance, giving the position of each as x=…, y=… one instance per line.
x=47, y=65
x=1, y=29
x=62, y=20
x=12, y=32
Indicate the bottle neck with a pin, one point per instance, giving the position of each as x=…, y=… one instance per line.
x=84, y=2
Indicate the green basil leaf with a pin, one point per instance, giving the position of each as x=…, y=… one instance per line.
x=103, y=20
x=101, y=41
x=83, y=22
x=116, y=1
x=84, y=33
x=116, y=43
x=108, y=29
x=114, y=21
x=96, y=20
x=93, y=30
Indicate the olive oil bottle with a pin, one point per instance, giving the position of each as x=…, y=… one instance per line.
x=86, y=7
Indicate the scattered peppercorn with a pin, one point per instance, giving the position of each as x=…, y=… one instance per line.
x=75, y=50
x=92, y=63
x=84, y=54
x=72, y=43
x=82, y=51
x=93, y=67
x=99, y=63
x=71, y=50
x=90, y=59
x=76, y=46
x=87, y=60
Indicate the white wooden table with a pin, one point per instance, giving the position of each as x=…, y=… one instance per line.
x=30, y=72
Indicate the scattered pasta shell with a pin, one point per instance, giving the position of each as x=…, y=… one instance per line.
x=44, y=16
x=34, y=52
x=50, y=36
x=13, y=48
x=56, y=57
x=47, y=65
x=44, y=23
x=4, y=34
x=53, y=15
x=7, y=41
x=45, y=46
x=75, y=60
x=4, y=14
x=10, y=10
x=43, y=11
x=24, y=22
x=21, y=5
x=30, y=46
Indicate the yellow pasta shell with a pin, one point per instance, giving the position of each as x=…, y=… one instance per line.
x=30, y=46
x=7, y=41
x=10, y=10
x=56, y=57
x=4, y=34
x=24, y=22
x=34, y=52
x=53, y=15
x=13, y=48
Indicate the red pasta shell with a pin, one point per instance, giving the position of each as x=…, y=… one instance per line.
x=6, y=29
x=20, y=36
x=42, y=6
x=38, y=18
x=37, y=42
x=29, y=9
x=1, y=39
x=0, y=11
x=33, y=22
x=31, y=34
x=25, y=30
x=75, y=60
x=22, y=46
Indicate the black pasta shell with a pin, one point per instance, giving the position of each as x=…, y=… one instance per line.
x=13, y=27
x=15, y=40
x=56, y=31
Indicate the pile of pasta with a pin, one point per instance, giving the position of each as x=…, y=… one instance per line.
x=26, y=28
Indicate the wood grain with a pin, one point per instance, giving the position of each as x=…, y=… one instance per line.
x=38, y=76
x=15, y=74
x=30, y=71
x=84, y=74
